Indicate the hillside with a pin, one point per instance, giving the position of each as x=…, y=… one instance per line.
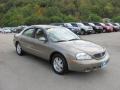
x=19, y=12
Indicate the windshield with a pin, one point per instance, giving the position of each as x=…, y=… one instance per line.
x=102, y=24
x=117, y=24
x=80, y=24
x=61, y=35
x=107, y=24
x=86, y=24
x=92, y=24
x=74, y=25
x=97, y=24
x=68, y=24
x=110, y=24
x=114, y=24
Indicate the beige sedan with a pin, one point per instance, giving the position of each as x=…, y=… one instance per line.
x=62, y=48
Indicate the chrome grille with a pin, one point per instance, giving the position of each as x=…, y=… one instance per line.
x=99, y=55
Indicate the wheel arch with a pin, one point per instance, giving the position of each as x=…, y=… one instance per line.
x=53, y=53
x=83, y=29
x=16, y=42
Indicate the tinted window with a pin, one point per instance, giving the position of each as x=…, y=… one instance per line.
x=29, y=32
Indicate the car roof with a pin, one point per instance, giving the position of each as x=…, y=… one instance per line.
x=45, y=26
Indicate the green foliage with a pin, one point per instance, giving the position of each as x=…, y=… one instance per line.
x=109, y=9
x=94, y=18
x=19, y=12
x=69, y=18
x=52, y=11
x=31, y=20
x=56, y=19
x=13, y=18
x=116, y=19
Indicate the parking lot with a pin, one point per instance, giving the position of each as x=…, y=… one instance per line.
x=31, y=73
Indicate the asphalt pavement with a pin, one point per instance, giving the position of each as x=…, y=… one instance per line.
x=31, y=73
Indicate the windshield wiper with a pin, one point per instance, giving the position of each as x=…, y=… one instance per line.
x=61, y=41
x=73, y=39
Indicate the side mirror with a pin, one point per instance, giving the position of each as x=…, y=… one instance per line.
x=42, y=39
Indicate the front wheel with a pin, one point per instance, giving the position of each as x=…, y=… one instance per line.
x=59, y=64
x=93, y=32
x=19, y=49
x=104, y=30
x=82, y=32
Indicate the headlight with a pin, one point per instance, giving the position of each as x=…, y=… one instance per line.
x=72, y=29
x=83, y=56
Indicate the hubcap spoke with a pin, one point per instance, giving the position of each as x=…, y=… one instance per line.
x=58, y=64
x=18, y=49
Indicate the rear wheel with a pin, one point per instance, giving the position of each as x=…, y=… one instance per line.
x=59, y=64
x=19, y=49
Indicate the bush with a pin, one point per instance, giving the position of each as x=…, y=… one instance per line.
x=69, y=18
x=56, y=19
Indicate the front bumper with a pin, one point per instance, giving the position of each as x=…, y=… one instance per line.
x=76, y=31
x=109, y=30
x=98, y=30
x=89, y=31
x=116, y=29
x=88, y=65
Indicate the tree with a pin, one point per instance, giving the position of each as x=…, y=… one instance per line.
x=18, y=12
x=56, y=19
x=52, y=11
x=109, y=10
x=13, y=18
x=94, y=18
x=116, y=19
x=69, y=18
x=32, y=20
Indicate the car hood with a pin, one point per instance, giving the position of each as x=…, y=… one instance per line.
x=74, y=28
x=82, y=46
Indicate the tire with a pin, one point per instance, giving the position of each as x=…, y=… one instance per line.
x=93, y=32
x=59, y=64
x=82, y=32
x=19, y=50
